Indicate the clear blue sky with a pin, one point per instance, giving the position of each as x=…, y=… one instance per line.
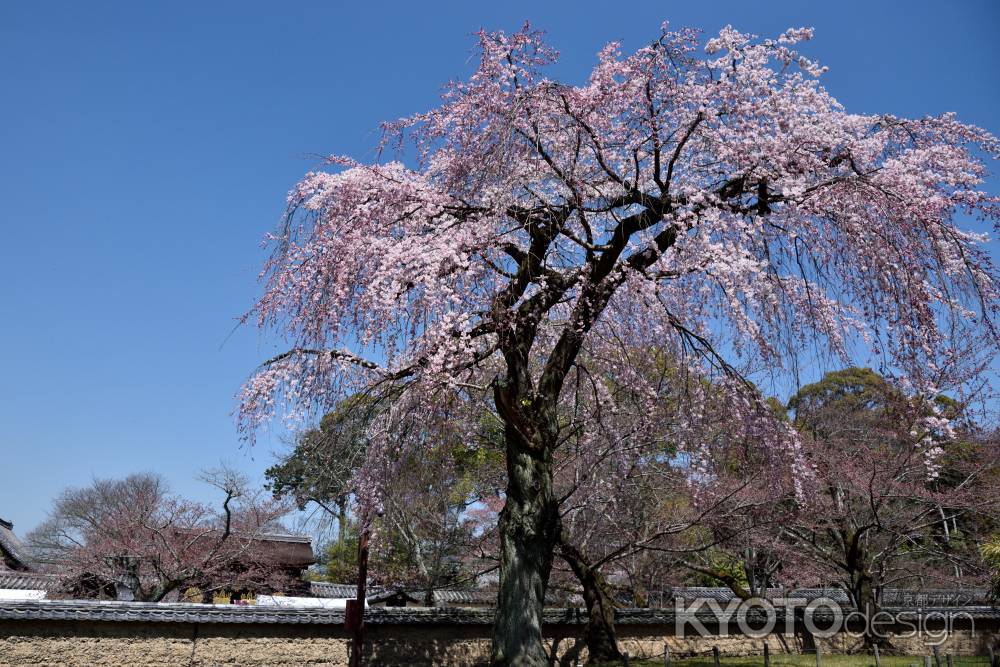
x=145, y=148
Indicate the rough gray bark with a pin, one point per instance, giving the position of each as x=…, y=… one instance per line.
x=602, y=642
x=529, y=527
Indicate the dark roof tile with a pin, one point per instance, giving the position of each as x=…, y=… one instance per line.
x=30, y=581
x=322, y=589
x=11, y=548
x=93, y=610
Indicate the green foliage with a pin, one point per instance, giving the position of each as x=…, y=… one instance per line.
x=777, y=407
x=858, y=403
x=849, y=393
x=320, y=467
x=721, y=570
x=991, y=555
x=422, y=531
x=339, y=560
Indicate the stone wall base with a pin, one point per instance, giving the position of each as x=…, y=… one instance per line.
x=55, y=643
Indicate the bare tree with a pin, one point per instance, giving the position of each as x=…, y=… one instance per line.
x=134, y=536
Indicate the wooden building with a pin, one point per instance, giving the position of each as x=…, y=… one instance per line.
x=13, y=556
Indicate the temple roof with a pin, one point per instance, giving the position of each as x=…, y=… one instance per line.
x=18, y=580
x=13, y=555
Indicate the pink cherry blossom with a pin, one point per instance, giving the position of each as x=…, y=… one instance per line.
x=532, y=241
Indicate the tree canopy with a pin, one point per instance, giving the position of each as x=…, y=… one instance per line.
x=720, y=205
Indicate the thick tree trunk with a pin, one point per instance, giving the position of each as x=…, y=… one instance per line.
x=863, y=592
x=529, y=528
x=602, y=643
x=157, y=594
